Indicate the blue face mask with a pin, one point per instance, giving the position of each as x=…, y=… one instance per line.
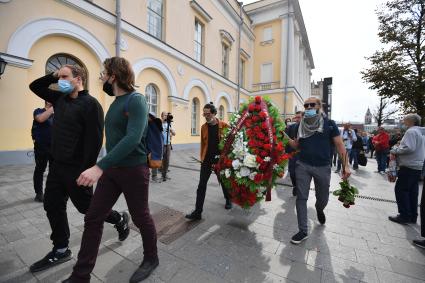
x=310, y=113
x=65, y=86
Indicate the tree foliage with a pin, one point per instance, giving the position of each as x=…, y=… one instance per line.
x=397, y=70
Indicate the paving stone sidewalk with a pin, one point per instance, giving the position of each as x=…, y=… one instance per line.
x=356, y=245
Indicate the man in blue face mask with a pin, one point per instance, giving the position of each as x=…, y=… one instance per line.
x=77, y=135
x=315, y=135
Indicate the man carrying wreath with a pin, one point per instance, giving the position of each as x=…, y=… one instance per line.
x=316, y=133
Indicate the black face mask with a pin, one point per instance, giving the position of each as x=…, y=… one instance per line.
x=107, y=87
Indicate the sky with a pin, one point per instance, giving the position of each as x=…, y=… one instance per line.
x=341, y=34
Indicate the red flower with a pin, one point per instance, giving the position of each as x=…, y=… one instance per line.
x=267, y=146
x=263, y=153
x=255, y=119
x=258, y=178
x=258, y=107
x=228, y=163
x=252, y=143
x=261, y=136
x=263, y=115
x=264, y=125
x=258, y=99
x=279, y=146
x=259, y=159
x=251, y=108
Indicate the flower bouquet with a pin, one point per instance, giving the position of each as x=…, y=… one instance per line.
x=346, y=194
x=252, y=152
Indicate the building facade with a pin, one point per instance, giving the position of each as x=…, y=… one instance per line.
x=323, y=90
x=184, y=55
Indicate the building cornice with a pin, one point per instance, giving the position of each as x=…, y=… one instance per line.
x=201, y=11
x=16, y=61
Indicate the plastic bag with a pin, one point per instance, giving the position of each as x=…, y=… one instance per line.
x=392, y=170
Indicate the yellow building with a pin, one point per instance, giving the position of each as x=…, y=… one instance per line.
x=184, y=54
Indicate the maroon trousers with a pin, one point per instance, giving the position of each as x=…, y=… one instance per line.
x=133, y=182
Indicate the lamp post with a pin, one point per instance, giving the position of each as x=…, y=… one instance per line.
x=2, y=66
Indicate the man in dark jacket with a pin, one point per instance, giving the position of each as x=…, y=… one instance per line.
x=77, y=135
x=41, y=136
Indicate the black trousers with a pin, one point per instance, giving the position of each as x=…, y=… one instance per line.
x=423, y=212
x=60, y=185
x=42, y=157
x=206, y=170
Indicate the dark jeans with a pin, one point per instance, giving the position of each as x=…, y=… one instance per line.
x=291, y=169
x=133, y=182
x=165, y=163
x=381, y=159
x=340, y=160
x=354, y=154
x=406, y=193
x=60, y=185
x=423, y=212
x=42, y=157
x=206, y=170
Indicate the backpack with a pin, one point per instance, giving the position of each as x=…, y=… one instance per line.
x=154, y=140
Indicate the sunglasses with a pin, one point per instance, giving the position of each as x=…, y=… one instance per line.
x=311, y=104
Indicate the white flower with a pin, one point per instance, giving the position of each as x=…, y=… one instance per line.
x=259, y=195
x=250, y=160
x=227, y=173
x=267, y=158
x=244, y=171
x=262, y=189
x=238, y=175
x=275, y=166
x=252, y=175
x=236, y=164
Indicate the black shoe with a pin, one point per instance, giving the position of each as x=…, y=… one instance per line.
x=413, y=220
x=228, y=204
x=294, y=191
x=51, y=259
x=144, y=270
x=419, y=243
x=194, y=216
x=299, y=237
x=321, y=216
x=39, y=197
x=398, y=219
x=122, y=227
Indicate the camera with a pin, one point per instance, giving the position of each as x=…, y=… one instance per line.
x=169, y=118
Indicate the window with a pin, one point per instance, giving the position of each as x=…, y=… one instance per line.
x=152, y=98
x=194, y=117
x=267, y=34
x=225, y=60
x=267, y=73
x=221, y=112
x=242, y=79
x=155, y=18
x=199, y=43
x=55, y=62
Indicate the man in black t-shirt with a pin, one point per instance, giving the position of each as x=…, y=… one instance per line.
x=211, y=133
x=41, y=136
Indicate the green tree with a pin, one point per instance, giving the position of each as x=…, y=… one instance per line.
x=397, y=70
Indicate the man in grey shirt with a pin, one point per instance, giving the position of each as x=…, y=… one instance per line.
x=410, y=155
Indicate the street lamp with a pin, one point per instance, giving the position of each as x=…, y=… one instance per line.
x=2, y=66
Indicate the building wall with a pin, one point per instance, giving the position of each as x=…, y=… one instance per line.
x=87, y=32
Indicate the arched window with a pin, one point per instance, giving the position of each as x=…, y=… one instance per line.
x=155, y=17
x=194, y=117
x=56, y=61
x=221, y=112
x=152, y=98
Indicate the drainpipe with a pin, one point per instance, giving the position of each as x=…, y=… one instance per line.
x=239, y=56
x=285, y=95
x=117, y=27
